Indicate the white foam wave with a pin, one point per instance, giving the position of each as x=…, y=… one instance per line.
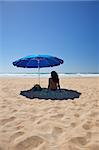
x=48, y=75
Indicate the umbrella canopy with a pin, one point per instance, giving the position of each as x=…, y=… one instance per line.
x=38, y=61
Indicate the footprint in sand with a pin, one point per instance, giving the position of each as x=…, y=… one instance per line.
x=81, y=141
x=87, y=125
x=29, y=143
x=56, y=132
x=97, y=123
x=4, y=121
x=94, y=114
x=73, y=124
x=88, y=135
x=76, y=115
x=16, y=135
x=3, y=106
x=14, y=110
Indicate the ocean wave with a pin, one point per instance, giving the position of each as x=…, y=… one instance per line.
x=47, y=75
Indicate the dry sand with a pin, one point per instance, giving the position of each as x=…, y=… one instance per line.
x=34, y=124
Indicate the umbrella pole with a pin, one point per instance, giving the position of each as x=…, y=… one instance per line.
x=39, y=72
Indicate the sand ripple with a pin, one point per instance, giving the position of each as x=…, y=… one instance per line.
x=49, y=124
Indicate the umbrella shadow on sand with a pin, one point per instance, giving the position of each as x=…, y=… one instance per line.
x=63, y=94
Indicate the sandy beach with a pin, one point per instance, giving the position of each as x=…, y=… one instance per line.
x=45, y=124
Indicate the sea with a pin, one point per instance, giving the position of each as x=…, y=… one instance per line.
x=47, y=75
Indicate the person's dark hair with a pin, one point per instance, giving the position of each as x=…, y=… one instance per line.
x=54, y=76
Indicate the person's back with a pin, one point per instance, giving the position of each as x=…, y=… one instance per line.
x=54, y=81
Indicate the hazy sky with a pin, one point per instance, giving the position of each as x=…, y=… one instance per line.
x=68, y=30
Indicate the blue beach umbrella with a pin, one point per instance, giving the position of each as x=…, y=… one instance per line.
x=38, y=61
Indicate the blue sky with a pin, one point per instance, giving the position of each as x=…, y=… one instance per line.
x=68, y=30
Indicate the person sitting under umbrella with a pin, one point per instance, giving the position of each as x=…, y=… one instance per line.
x=54, y=81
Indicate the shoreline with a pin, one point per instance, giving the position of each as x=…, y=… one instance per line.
x=47, y=75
